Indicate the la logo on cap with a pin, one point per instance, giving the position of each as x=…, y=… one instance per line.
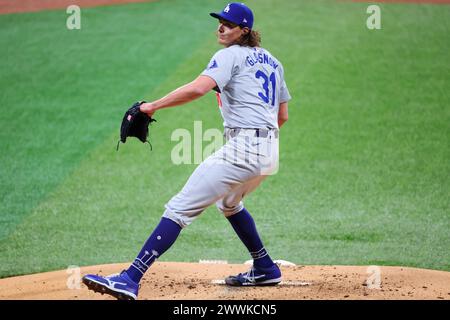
x=227, y=8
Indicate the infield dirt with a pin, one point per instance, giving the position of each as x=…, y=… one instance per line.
x=198, y=281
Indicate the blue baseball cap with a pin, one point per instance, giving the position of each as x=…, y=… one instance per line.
x=237, y=13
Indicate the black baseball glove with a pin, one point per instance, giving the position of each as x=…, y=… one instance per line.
x=135, y=124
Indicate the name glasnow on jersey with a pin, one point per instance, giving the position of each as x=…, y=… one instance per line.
x=251, y=85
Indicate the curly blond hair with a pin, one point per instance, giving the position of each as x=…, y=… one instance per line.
x=251, y=39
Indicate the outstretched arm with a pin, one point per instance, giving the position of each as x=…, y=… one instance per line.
x=182, y=95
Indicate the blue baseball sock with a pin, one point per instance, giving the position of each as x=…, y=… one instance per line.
x=159, y=241
x=245, y=227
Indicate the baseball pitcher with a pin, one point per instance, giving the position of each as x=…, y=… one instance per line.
x=253, y=100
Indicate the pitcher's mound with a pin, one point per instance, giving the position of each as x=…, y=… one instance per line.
x=176, y=280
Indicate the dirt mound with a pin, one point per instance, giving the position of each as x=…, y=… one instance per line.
x=199, y=281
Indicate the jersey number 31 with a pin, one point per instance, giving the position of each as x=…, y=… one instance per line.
x=265, y=95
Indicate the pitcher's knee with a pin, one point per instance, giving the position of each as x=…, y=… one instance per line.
x=183, y=213
x=229, y=210
x=184, y=208
x=181, y=217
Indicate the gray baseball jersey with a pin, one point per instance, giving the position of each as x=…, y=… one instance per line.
x=251, y=85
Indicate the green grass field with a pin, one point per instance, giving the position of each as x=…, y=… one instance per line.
x=364, y=169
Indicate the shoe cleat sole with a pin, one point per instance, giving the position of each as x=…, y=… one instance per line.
x=99, y=288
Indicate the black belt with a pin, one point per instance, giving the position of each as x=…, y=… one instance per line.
x=260, y=133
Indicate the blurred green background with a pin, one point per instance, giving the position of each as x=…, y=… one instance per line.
x=364, y=168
